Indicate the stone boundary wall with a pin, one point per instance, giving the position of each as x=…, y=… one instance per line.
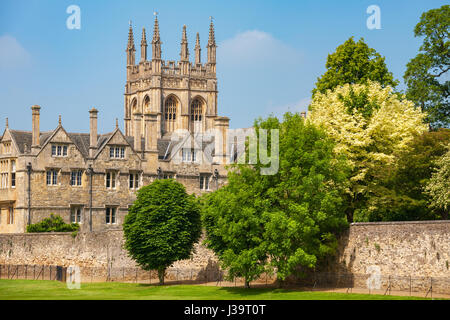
x=410, y=248
x=418, y=249
x=99, y=250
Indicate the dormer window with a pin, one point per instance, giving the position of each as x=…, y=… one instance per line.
x=59, y=150
x=116, y=152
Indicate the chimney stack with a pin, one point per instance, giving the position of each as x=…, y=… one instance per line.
x=35, y=143
x=93, y=131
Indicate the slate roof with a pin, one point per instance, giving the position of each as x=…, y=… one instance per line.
x=81, y=140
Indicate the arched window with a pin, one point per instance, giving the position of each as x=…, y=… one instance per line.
x=196, y=112
x=146, y=104
x=170, y=113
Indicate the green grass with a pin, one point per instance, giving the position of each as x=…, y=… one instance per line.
x=44, y=290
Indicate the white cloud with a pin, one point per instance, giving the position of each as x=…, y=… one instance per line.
x=254, y=46
x=299, y=106
x=12, y=54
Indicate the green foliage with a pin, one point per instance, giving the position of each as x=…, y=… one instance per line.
x=282, y=221
x=427, y=74
x=162, y=226
x=354, y=63
x=438, y=188
x=53, y=224
x=400, y=196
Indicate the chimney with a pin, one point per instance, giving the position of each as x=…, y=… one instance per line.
x=151, y=132
x=35, y=143
x=93, y=131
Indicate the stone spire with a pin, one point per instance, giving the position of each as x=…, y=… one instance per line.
x=156, y=41
x=6, y=124
x=59, y=120
x=211, y=47
x=184, y=55
x=198, y=59
x=212, y=37
x=130, y=47
x=143, y=46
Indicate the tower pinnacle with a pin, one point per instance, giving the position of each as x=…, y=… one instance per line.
x=197, y=50
x=130, y=47
x=156, y=41
x=143, y=46
x=184, y=46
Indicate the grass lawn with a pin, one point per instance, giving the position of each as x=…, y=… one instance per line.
x=44, y=290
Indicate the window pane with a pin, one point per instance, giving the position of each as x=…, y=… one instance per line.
x=49, y=177
x=107, y=215
x=113, y=179
x=59, y=150
x=136, y=181
x=108, y=179
x=111, y=152
x=13, y=179
x=53, y=150
x=65, y=151
x=79, y=215
x=72, y=216
x=79, y=175
x=122, y=153
x=201, y=183
x=55, y=177
x=131, y=181
x=113, y=215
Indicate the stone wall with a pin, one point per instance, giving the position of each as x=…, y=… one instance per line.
x=418, y=249
x=101, y=250
x=414, y=248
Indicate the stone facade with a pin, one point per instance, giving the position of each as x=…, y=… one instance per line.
x=51, y=172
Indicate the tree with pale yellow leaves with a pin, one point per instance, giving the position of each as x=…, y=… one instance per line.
x=372, y=126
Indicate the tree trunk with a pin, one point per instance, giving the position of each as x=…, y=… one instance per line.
x=247, y=283
x=279, y=283
x=161, y=272
x=349, y=213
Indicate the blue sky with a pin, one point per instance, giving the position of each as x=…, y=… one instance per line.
x=269, y=54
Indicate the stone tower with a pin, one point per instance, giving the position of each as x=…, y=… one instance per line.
x=163, y=96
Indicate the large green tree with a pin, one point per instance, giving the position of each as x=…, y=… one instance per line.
x=371, y=126
x=402, y=196
x=286, y=221
x=162, y=225
x=427, y=74
x=354, y=63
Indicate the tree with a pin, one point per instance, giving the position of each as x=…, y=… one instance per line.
x=233, y=220
x=354, y=63
x=439, y=185
x=162, y=225
x=371, y=126
x=53, y=224
x=287, y=221
x=427, y=74
x=402, y=195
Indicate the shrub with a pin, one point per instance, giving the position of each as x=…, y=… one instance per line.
x=53, y=224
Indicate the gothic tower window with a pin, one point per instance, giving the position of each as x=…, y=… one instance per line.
x=170, y=113
x=146, y=104
x=196, y=115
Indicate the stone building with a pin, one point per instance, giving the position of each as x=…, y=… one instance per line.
x=92, y=178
